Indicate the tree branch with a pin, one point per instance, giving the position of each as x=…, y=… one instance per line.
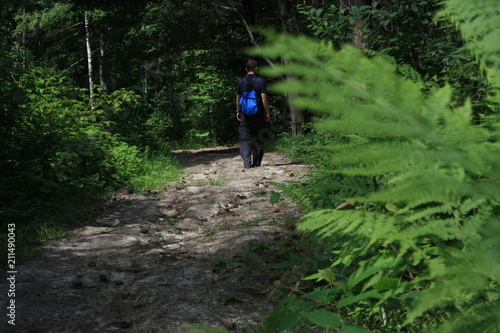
x=247, y=27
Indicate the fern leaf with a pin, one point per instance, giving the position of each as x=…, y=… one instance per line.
x=426, y=155
x=479, y=24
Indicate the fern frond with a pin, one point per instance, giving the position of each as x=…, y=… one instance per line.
x=479, y=24
x=427, y=156
x=428, y=212
x=470, y=204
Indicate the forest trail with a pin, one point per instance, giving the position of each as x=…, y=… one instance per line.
x=197, y=253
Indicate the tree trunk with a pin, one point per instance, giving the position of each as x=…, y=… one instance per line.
x=89, y=60
x=296, y=118
x=248, y=11
x=145, y=86
x=359, y=39
x=24, y=36
x=289, y=25
x=102, y=80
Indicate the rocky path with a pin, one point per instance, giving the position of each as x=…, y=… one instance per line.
x=197, y=253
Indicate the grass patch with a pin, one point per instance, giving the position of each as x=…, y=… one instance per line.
x=51, y=223
x=190, y=317
x=28, y=237
x=48, y=231
x=158, y=169
x=217, y=180
x=220, y=180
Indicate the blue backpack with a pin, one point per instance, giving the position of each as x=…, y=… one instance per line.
x=248, y=100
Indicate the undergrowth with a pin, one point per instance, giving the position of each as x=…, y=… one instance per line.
x=158, y=168
x=405, y=191
x=80, y=207
x=325, y=186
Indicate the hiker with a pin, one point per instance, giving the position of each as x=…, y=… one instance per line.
x=252, y=125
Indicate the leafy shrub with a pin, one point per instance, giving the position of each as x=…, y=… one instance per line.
x=326, y=187
x=420, y=249
x=57, y=144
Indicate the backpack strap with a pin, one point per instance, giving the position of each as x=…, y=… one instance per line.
x=250, y=84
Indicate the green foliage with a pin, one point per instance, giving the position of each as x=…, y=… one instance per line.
x=159, y=126
x=47, y=19
x=405, y=31
x=325, y=187
x=184, y=57
x=304, y=145
x=57, y=151
x=420, y=248
x=395, y=28
x=207, y=102
x=70, y=140
x=157, y=169
x=275, y=197
x=478, y=25
x=56, y=144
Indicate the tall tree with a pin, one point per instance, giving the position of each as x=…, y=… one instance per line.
x=289, y=25
x=89, y=57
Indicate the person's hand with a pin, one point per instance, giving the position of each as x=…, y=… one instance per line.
x=238, y=116
x=268, y=117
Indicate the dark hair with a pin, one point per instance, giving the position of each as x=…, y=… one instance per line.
x=251, y=65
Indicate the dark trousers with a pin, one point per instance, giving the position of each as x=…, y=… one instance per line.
x=251, y=143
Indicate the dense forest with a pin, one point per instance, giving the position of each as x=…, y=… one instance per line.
x=92, y=89
x=394, y=102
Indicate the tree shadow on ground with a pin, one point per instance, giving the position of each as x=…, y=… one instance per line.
x=193, y=157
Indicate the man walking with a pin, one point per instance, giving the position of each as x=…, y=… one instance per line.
x=252, y=126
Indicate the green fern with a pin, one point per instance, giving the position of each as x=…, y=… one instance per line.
x=431, y=160
x=479, y=24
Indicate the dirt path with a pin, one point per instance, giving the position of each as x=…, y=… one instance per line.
x=198, y=252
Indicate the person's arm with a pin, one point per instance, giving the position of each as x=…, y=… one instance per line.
x=265, y=101
x=238, y=107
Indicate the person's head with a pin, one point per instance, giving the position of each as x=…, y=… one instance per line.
x=251, y=65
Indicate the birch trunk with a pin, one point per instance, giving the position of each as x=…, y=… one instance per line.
x=145, y=86
x=89, y=60
x=24, y=36
x=102, y=80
